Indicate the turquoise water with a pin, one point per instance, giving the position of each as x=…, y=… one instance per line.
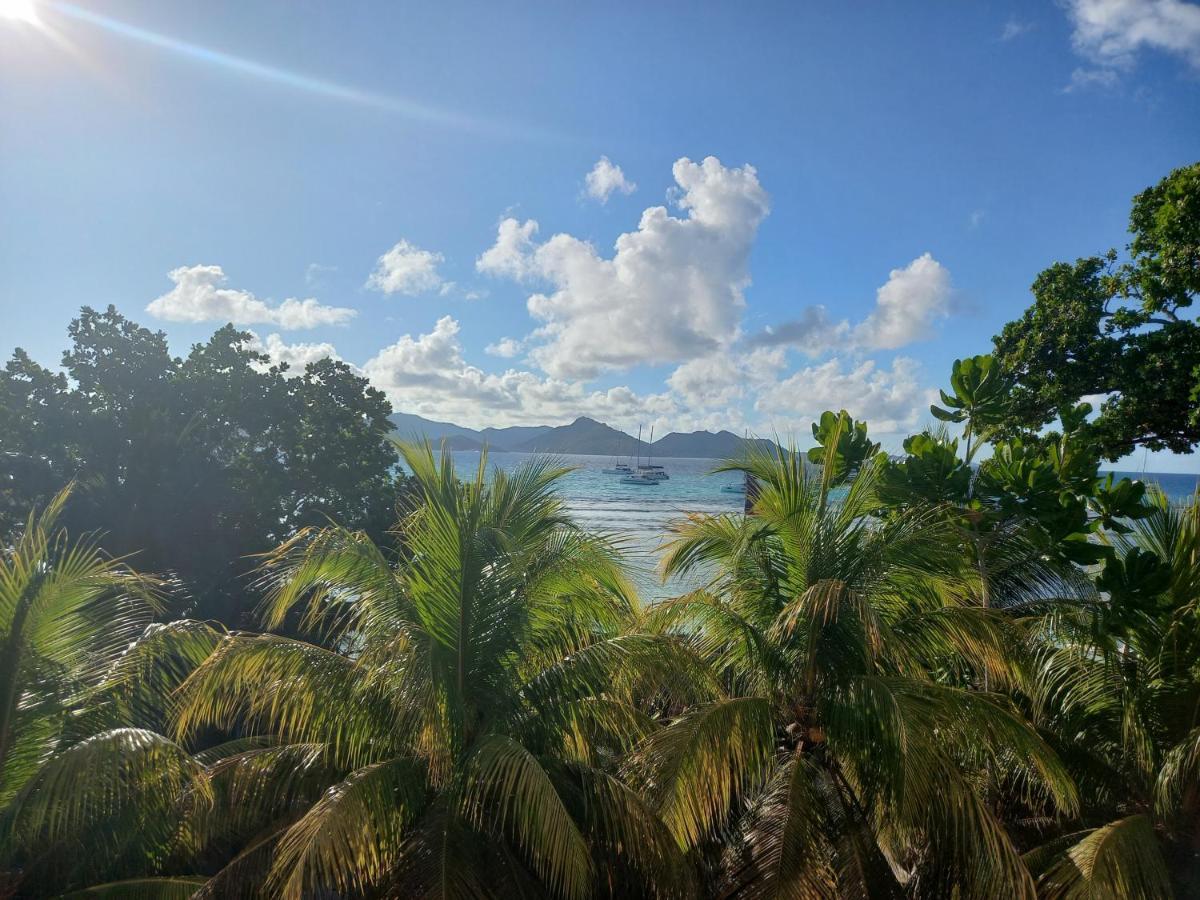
x=638, y=516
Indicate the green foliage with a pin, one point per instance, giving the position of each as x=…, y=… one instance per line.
x=980, y=398
x=924, y=677
x=930, y=472
x=458, y=716
x=840, y=745
x=842, y=443
x=1099, y=328
x=67, y=614
x=192, y=463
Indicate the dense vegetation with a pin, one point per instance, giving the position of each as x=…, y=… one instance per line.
x=1120, y=329
x=192, y=464
x=972, y=670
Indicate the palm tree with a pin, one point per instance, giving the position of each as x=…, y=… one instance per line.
x=451, y=725
x=1121, y=686
x=71, y=774
x=849, y=754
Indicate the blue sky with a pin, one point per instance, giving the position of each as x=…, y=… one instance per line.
x=791, y=206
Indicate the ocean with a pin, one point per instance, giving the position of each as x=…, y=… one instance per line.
x=638, y=516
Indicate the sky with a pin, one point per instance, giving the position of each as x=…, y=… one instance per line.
x=685, y=215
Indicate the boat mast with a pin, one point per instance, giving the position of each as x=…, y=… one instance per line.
x=639, y=447
x=650, y=448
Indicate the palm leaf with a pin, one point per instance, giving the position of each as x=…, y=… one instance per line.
x=1121, y=861
x=507, y=790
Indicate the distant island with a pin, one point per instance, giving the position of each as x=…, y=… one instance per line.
x=583, y=436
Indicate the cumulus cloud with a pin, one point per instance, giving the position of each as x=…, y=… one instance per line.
x=200, y=295
x=407, y=269
x=297, y=356
x=429, y=375
x=672, y=291
x=512, y=254
x=890, y=400
x=721, y=379
x=1111, y=33
x=605, y=178
x=814, y=332
x=908, y=307
x=505, y=347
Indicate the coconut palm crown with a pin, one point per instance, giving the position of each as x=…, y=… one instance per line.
x=449, y=722
x=852, y=751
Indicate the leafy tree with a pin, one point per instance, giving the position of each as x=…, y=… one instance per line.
x=981, y=400
x=192, y=464
x=848, y=754
x=70, y=774
x=1122, y=330
x=452, y=725
x=848, y=438
x=1120, y=685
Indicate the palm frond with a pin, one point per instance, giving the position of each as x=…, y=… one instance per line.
x=89, y=785
x=351, y=838
x=177, y=888
x=698, y=766
x=1118, y=860
x=508, y=790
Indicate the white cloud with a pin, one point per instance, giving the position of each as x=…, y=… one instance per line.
x=1082, y=79
x=606, y=177
x=1112, y=32
x=407, y=269
x=512, y=254
x=890, y=400
x=723, y=378
x=907, y=308
x=1014, y=28
x=505, y=347
x=199, y=295
x=314, y=275
x=297, y=356
x=672, y=291
x=428, y=375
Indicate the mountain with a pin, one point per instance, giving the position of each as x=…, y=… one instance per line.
x=409, y=426
x=706, y=445
x=458, y=437
x=514, y=436
x=584, y=435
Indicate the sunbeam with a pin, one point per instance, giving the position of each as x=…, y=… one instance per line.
x=296, y=80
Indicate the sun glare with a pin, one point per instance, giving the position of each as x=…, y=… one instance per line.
x=19, y=11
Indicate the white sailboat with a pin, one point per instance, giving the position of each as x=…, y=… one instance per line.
x=653, y=472
x=636, y=477
x=620, y=468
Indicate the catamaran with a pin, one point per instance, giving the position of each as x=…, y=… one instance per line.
x=620, y=468
x=637, y=476
x=653, y=472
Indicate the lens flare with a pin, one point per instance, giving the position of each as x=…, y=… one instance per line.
x=19, y=11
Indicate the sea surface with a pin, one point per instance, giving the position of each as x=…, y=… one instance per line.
x=638, y=517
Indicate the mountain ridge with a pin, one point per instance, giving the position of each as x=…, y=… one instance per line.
x=584, y=436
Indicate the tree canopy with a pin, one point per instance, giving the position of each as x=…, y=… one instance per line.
x=1120, y=330
x=192, y=462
